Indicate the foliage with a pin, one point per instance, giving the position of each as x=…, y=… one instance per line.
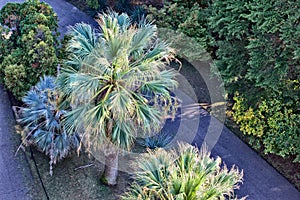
x=42, y=119
x=159, y=140
x=256, y=49
x=117, y=81
x=136, y=12
x=186, y=174
x=15, y=77
x=188, y=17
x=30, y=40
x=270, y=124
x=258, y=56
x=96, y=4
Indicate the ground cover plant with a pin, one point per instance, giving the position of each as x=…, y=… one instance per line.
x=28, y=44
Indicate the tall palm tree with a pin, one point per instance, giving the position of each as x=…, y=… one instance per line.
x=119, y=86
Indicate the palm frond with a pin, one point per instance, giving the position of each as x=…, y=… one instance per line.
x=42, y=121
x=184, y=173
x=116, y=76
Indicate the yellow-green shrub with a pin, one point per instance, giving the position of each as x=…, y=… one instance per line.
x=272, y=123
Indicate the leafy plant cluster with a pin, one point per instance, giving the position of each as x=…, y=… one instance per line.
x=42, y=117
x=28, y=44
x=184, y=173
x=123, y=6
x=256, y=49
x=120, y=90
x=159, y=140
x=188, y=17
x=258, y=56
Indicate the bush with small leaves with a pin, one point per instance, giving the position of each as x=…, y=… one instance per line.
x=258, y=57
x=15, y=79
x=29, y=38
x=270, y=124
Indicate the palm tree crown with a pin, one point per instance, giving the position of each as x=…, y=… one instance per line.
x=185, y=174
x=117, y=81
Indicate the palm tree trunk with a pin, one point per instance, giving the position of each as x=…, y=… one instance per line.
x=110, y=174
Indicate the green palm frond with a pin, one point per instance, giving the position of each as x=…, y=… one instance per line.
x=184, y=173
x=118, y=76
x=83, y=39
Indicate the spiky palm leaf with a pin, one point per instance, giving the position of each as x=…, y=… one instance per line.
x=42, y=120
x=185, y=174
x=117, y=80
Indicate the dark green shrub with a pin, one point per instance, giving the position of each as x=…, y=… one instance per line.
x=189, y=17
x=30, y=41
x=6, y=42
x=258, y=45
x=96, y=4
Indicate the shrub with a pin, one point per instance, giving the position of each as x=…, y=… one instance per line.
x=258, y=56
x=256, y=49
x=30, y=40
x=13, y=58
x=186, y=173
x=42, y=119
x=189, y=17
x=271, y=124
x=15, y=77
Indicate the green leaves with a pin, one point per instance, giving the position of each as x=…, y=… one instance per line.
x=184, y=173
x=31, y=42
x=113, y=78
x=271, y=124
x=256, y=45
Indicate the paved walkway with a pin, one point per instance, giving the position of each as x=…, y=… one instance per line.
x=13, y=169
x=261, y=181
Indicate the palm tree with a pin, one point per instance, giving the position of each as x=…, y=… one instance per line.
x=42, y=117
x=184, y=173
x=118, y=85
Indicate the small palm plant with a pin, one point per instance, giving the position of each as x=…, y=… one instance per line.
x=159, y=140
x=42, y=120
x=184, y=173
x=118, y=83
